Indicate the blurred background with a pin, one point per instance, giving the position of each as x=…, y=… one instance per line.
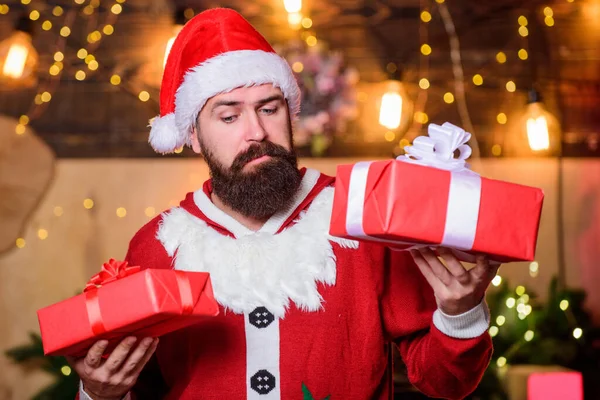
x=80, y=80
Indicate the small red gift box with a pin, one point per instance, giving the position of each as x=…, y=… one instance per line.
x=431, y=198
x=123, y=300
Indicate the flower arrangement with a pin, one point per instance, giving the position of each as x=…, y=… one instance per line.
x=329, y=96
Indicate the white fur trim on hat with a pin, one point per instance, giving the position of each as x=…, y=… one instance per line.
x=221, y=74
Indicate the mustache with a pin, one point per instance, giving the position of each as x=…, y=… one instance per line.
x=259, y=150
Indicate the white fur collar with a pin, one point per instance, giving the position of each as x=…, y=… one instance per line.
x=261, y=268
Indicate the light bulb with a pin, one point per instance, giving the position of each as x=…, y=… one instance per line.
x=18, y=57
x=541, y=128
x=292, y=6
x=176, y=30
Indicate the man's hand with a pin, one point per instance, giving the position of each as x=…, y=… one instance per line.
x=113, y=378
x=456, y=289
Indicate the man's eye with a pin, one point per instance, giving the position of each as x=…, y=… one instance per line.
x=229, y=119
x=269, y=111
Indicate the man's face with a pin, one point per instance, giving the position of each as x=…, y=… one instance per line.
x=246, y=139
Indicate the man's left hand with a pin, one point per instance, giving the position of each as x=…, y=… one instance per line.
x=457, y=290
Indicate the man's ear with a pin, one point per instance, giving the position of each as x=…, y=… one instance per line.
x=194, y=140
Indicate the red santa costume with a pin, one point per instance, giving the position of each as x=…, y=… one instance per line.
x=301, y=311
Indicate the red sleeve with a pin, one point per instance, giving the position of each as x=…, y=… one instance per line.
x=437, y=364
x=146, y=250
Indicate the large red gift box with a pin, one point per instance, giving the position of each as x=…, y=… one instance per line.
x=123, y=300
x=406, y=203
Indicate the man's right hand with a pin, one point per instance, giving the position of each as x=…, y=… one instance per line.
x=112, y=379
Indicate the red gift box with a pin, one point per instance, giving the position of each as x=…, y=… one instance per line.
x=124, y=301
x=405, y=204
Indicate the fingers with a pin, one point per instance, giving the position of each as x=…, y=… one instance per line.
x=425, y=269
x=484, y=269
x=138, y=355
x=94, y=355
x=119, y=354
x=146, y=358
x=436, y=266
x=454, y=265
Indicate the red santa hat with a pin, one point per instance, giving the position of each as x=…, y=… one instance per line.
x=215, y=52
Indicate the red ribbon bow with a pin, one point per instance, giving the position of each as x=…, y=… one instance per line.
x=111, y=271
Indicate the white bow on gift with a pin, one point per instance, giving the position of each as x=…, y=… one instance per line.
x=438, y=149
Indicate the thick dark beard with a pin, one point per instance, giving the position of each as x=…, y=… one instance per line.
x=270, y=187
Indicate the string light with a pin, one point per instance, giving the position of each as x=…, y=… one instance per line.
x=88, y=203
x=501, y=362
x=529, y=335
x=577, y=332
x=179, y=150
x=47, y=25
x=121, y=212
x=20, y=129
x=88, y=10
x=523, y=31
x=564, y=304
x=522, y=20
x=89, y=58
x=93, y=65
x=389, y=136
x=58, y=211
x=448, y=97
x=297, y=67
x=511, y=86
x=496, y=150
x=306, y=22
x=510, y=302
x=520, y=290
x=115, y=80
x=311, y=40
x=79, y=1
x=65, y=370
x=501, y=118
x=548, y=12
x=425, y=16
x=500, y=320
x=43, y=234
x=421, y=117
x=80, y=75
x=424, y=83
x=426, y=49
x=25, y=2
x=116, y=9
x=46, y=97
x=549, y=21
x=20, y=242
x=497, y=280
x=150, y=211
x=501, y=57
x=188, y=13
x=59, y=56
x=34, y=15
x=65, y=31
x=478, y=79
x=144, y=96
x=493, y=330
x=523, y=55
x=534, y=268
x=57, y=11
x=525, y=298
x=108, y=30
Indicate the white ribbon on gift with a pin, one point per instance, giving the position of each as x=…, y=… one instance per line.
x=438, y=151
